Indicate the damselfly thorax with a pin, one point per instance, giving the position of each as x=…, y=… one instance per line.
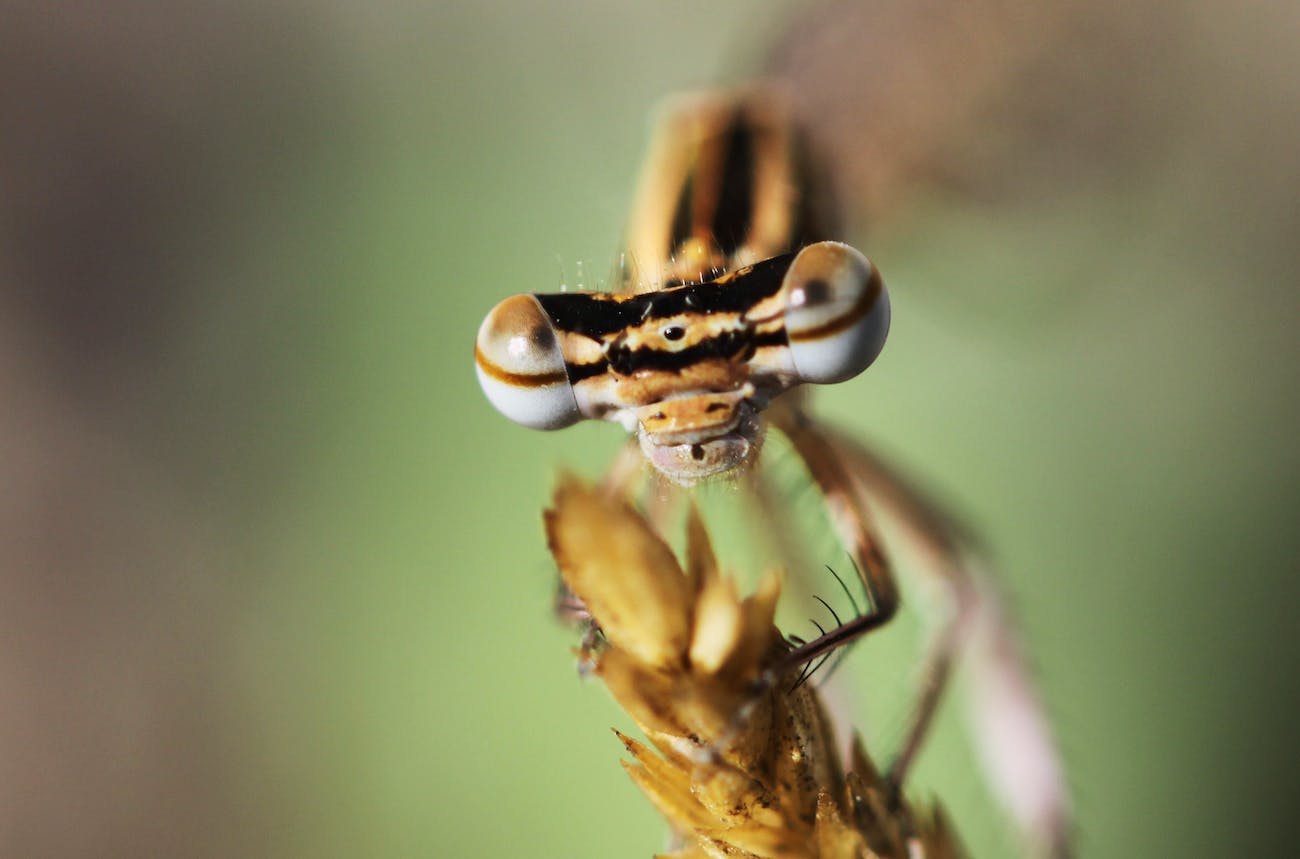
x=718, y=316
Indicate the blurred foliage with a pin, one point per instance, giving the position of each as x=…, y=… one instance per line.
x=273, y=580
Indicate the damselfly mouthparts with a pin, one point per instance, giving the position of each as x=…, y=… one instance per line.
x=735, y=296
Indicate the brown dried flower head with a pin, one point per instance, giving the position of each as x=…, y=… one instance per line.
x=746, y=763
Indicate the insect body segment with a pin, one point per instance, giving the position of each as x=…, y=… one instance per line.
x=725, y=185
x=690, y=368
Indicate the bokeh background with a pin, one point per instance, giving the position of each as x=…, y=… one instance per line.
x=272, y=578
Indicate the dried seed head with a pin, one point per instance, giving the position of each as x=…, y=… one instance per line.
x=744, y=766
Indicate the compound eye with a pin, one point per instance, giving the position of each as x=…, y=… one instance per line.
x=836, y=312
x=521, y=367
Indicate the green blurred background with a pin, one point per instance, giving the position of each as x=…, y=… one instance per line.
x=272, y=577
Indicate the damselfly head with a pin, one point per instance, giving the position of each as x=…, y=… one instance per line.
x=690, y=368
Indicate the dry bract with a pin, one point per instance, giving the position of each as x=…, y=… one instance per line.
x=741, y=765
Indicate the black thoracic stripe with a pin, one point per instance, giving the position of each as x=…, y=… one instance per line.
x=597, y=315
x=733, y=214
x=681, y=230
x=809, y=217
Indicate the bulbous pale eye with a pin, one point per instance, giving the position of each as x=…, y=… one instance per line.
x=521, y=367
x=836, y=312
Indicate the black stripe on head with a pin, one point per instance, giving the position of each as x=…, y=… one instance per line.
x=627, y=361
x=590, y=314
x=578, y=372
x=727, y=345
x=597, y=316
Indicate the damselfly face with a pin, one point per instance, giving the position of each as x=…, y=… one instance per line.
x=690, y=368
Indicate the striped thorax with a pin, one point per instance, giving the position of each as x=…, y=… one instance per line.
x=718, y=317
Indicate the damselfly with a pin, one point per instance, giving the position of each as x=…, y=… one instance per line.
x=734, y=296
